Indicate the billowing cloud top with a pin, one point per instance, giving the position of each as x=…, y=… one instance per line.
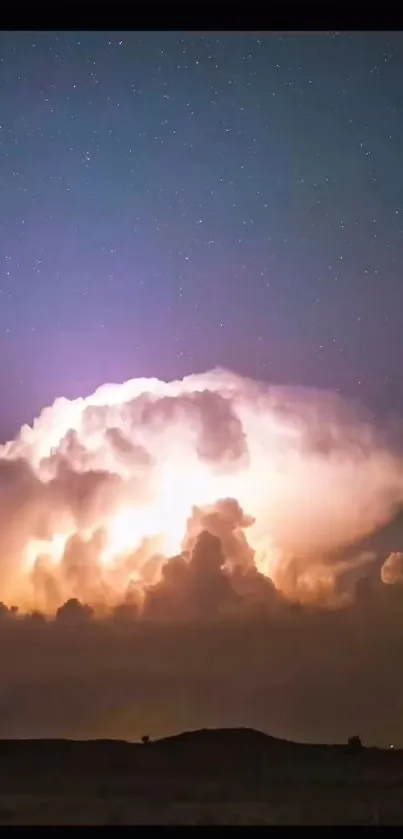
x=192, y=498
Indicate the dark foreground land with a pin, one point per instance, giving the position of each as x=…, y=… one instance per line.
x=229, y=776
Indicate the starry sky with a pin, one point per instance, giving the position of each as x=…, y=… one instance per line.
x=171, y=202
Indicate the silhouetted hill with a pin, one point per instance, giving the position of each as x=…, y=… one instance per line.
x=236, y=774
x=227, y=756
x=223, y=737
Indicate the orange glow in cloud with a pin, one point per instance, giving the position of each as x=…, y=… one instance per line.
x=101, y=491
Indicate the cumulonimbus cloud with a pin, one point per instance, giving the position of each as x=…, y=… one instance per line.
x=194, y=497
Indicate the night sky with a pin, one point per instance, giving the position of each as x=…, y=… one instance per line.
x=171, y=202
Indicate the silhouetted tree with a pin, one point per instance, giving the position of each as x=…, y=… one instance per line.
x=354, y=744
x=145, y=739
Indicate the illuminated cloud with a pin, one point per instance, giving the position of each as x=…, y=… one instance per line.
x=251, y=489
